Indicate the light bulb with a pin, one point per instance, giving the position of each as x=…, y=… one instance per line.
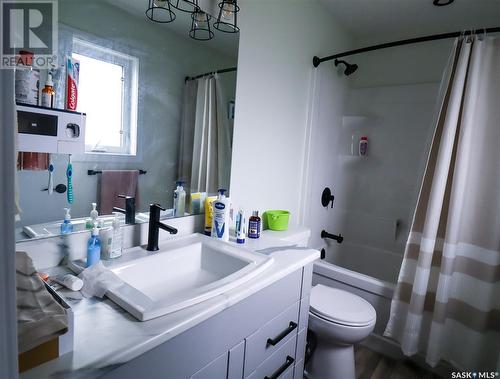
x=160, y=3
x=200, y=20
x=228, y=10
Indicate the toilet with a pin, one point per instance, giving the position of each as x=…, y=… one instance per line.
x=338, y=319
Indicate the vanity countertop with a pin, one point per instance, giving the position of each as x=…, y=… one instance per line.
x=107, y=336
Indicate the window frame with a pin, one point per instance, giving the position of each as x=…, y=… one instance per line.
x=130, y=87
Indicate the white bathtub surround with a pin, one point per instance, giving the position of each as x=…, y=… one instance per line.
x=448, y=289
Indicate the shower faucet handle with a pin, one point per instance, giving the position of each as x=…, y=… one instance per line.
x=339, y=238
x=327, y=197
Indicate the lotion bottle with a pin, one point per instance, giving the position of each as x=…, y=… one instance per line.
x=220, y=222
x=179, y=200
x=117, y=242
x=93, y=247
x=67, y=226
x=90, y=222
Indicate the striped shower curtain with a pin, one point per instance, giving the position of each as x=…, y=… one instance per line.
x=446, y=304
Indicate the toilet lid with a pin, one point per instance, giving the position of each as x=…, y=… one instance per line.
x=341, y=307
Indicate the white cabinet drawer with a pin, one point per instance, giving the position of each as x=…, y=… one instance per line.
x=268, y=339
x=279, y=365
x=217, y=369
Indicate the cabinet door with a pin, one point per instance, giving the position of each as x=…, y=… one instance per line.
x=236, y=360
x=217, y=369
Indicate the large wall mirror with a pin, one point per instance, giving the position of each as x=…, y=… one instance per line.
x=159, y=108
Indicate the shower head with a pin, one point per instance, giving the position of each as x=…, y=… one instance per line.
x=349, y=68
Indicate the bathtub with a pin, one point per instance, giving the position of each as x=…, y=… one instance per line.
x=367, y=272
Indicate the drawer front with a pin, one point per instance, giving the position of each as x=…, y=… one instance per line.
x=217, y=369
x=273, y=335
x=279, y=365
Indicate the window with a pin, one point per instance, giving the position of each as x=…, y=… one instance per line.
x=107, y=93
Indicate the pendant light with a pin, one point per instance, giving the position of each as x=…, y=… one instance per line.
x=200, y=26
x=188, y=6
x=160, y=11
x=227, y=19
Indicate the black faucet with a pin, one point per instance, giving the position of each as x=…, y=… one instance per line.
x=129, y=209
x=155, y=225
x=338, y=238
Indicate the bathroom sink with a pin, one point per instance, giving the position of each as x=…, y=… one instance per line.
x=186, y=271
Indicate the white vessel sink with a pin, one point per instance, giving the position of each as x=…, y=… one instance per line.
x=186, y=271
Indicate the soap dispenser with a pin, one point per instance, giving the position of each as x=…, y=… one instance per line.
x=67, y=226
x=179, y=199
x=220, y=222
x=90, y=222
x=93, y=247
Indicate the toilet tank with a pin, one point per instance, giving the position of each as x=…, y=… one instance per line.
x=295, y=235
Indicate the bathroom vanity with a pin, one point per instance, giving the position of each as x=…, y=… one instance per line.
x=255, y=330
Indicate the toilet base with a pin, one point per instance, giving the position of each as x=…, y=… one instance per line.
x=331, y=361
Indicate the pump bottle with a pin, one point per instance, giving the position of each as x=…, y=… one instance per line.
x=179, y=199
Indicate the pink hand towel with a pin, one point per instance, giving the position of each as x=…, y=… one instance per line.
x=114, y=183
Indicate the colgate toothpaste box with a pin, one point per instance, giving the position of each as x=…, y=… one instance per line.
x=72, y=76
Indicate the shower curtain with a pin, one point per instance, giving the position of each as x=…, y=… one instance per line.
x=206, y=137
x=447, y=300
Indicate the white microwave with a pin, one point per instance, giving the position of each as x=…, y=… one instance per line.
x=47, y=130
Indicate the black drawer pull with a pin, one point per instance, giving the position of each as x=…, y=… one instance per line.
x=282, y=369
x=283, y=334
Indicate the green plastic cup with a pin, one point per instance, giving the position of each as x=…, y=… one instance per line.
x=277, y=219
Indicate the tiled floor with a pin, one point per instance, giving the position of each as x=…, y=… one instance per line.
x=371, y=365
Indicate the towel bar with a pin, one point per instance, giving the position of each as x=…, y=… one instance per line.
x=95, y=172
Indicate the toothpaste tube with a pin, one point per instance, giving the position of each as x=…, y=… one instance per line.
x=72, y=76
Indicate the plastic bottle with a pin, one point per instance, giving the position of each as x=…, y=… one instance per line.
x=363, y=146
x=240, y=227
x=209, y=214
x=66, y=225
x=179, y=200
x=117, y=242
x=254, y=225
x=48, y=93
x=93, y=247
x=90, y=222
x=220, y=224
x=111, y=240
x=27, y=79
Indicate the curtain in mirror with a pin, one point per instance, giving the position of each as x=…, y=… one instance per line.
x=206, y=140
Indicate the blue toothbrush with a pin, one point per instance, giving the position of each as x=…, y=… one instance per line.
x=69, y=176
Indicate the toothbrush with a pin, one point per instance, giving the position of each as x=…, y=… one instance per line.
x=51, y=179
x=69, y=176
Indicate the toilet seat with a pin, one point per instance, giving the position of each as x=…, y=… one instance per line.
x=341, y=307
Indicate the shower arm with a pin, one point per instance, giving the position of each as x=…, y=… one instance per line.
x=338, y=238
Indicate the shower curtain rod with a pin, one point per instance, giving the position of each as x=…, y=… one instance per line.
x=435, y=37
x=211, y=73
